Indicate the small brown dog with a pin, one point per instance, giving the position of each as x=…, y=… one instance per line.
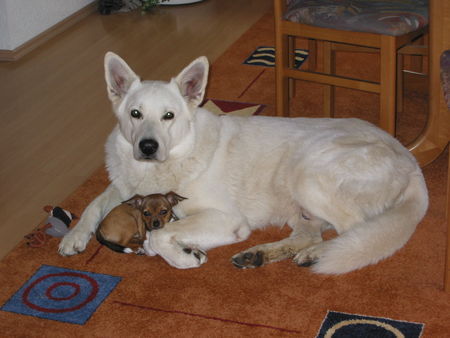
x=124, y=228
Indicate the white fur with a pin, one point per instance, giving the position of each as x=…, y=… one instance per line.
x=241, y=174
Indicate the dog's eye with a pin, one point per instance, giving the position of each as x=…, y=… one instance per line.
x=135, y=114
x=163, y=212
x=168, y=115
x=147, y=214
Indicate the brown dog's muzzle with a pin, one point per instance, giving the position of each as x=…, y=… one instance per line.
x=154, y=224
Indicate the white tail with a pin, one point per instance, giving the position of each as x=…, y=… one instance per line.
x=379, y=237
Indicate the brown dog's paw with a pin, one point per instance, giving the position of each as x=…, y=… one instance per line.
x=248, y=259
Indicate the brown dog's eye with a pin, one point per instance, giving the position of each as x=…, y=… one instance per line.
x=146, y=213
x=163, y=212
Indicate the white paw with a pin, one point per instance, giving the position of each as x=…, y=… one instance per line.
x=177, y=254
x=198, y=254
x=183, y=257
x=186, y=258
x=74, y=242
x=309, y=256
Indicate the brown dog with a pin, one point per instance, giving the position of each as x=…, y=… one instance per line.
x=124, y=228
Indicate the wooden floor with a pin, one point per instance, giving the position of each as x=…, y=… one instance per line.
x=54, y=109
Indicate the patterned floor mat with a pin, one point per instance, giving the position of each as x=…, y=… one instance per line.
x=265, y=56
x=62, y=294
x=344, y=325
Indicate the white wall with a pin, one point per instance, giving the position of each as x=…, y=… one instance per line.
x=22, y=20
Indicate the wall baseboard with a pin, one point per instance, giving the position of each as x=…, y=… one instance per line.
x=22, y=50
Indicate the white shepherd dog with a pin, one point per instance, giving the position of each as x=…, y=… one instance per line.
x=241, y=174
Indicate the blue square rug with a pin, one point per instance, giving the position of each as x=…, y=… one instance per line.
x=61, y=294
x=345, y=325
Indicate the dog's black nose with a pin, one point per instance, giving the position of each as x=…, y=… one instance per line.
x=148, y=146
x=156, y=224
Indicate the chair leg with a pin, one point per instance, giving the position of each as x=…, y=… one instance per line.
x=281, y=61
x=426, y=42
x=388, y=63
x=282, y=81
x=447, y=254
x=291, y=60
x=328, y=68
x=400, y=89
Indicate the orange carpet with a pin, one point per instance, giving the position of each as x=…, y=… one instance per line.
x=148, y=298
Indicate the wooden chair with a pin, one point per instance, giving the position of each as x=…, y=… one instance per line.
x=384, y=26
x=445, y=79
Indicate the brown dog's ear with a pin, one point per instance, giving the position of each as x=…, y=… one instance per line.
x=174, y=198
x=135, y=201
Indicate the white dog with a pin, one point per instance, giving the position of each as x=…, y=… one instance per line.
x=241, y=174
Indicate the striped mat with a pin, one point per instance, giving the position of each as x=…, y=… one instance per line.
x=265, y=56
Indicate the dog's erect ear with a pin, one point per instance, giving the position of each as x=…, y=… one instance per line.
x=119, y=77
x=174, y=198
x=135, y=201
x=192, y=81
